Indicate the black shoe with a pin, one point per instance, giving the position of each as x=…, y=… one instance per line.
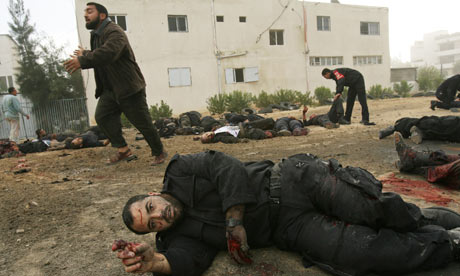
x=441, y=216
x=342, y=121
x=406, y=154
x=433, y=105
x=367, y=123
x=386, y=131
x=454, y=235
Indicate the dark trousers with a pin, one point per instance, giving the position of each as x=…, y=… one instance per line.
x=108, y=112
x=444, y=128
x=358, y=88
x=264, y=124
x=447, y=99
x=286, y=123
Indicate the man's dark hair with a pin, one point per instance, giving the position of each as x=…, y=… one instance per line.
x=325, y=71
x=99, y=7
x=38, y=132
x=11, y=89
x=128, y=217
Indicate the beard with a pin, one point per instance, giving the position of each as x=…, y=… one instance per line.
x=92, y=25
x=177, y=207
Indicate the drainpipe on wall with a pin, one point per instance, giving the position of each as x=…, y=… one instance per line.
x=305, y=44
x=216, y=48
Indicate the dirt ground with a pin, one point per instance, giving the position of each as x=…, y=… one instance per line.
x=62, y=216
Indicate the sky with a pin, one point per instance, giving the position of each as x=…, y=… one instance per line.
x=409, y=20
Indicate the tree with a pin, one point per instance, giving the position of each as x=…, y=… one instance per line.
x=41, y=74
x=429, y=78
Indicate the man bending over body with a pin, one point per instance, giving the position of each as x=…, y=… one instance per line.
x=335, y=217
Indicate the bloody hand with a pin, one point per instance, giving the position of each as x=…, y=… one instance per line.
x=239, y=253
x=122, y=245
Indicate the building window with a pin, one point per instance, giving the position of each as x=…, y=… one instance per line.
x=276, y=37
x=322, y=61
x=243, y=19
x=220, y=18
x=447, y=46
x=120, y=20
x=364, y=60
x=323, y=23
x=370, y=28
x=177, y=23
x=179, y=77
x=5, y=82
x=234, y=75
x=447, y=59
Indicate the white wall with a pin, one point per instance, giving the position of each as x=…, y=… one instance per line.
x=8, y=58
x=206, y=46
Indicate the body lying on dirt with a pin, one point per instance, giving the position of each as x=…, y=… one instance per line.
x=332, y=119
x=435, y=166
x=444, y=128
x=334, y=217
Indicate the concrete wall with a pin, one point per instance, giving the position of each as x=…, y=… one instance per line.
x=8, y=58
x=210, y=47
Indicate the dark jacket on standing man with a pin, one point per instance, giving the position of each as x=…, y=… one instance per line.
x=113, y=60
x=345, y=77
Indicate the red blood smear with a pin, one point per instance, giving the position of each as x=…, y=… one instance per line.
x=416, y=188
x=121, y=244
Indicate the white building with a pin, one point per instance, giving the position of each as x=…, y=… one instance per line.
x=439, y=49
x=8, y=62
x=191, y=50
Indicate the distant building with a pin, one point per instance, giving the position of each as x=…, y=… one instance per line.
x=408, y=74
x=439, y=49
x=8, y=62
x=191, y=50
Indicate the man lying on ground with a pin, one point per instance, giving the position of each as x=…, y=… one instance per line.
x=335, y=217
x=89, y=139
x=445, y=128
x=329, y=120
x=234, y=134
x=435, y=166
x=287, y=126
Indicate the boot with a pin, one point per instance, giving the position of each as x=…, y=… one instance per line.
x=386, y=132
x=416, y=135
x=454, y=235
x=343, y=121
x=441, y=216
x=410, y=160
x=433, y=105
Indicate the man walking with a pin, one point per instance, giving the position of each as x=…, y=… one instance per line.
x=120, y=85
x=447, y=94
x=12, y=108
x=355, y=82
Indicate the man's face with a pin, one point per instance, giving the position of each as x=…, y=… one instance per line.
x=327, y=75
x=15, y=92
x=42, y=132
x=207, y=137
x=92, y=17
x=154, y=214
x=77, y=142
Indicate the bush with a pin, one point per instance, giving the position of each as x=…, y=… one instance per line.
x=284, y=95
x=377, y=92
x=237, y=100
x=162, y=111
x=216, y=103
x=125, y=122
x=323, y=94
x=345, y=93
x=403, y=88
x=264, y=99
x=303, y=98
x=429, y=78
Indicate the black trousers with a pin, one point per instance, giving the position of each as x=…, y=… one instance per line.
x=358, y=88
x=446, y=101
x=285, y=123
x=108, y=112
x=444, y=128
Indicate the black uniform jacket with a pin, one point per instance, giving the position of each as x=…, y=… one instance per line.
x=345, y=77
x=450, y=87
x=207, y=184
x=115, y=67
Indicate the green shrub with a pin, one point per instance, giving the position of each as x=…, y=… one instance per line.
x=162, y=111
x=284, y=95
x=264, y=99
x=216, y=103
x=303, y=98
x=376, y=91
x=403, y=88
x=125, y=122
x=429, y=78
x=345, y=93
x=237, y=100
x=323, y=94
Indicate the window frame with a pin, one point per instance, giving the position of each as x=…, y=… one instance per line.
x=114, y=18
x=367, y=60
x=249, y=74
x=326, y=60
x=368, y=24
x=8, y=79
x=220, y=18
x=276, y=32
x=323, y=17
x=170, y=81
x=177, y=17
x=242, y=19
